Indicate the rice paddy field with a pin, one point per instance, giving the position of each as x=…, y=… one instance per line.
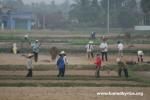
x=79, y=82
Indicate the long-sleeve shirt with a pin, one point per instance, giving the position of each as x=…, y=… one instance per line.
x=104, y=47
x=60, y=62
x=89, y=48
x=65, y=59
x=35, y=47
x=29, y=63
x=120, y=46
x=140, y=53
x=98, y=62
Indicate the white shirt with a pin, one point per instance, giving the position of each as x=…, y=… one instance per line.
x=140, y=53
x=89, y=47
x=120, y=46
x=104, y=47
x=29, y=63
x=65, y=60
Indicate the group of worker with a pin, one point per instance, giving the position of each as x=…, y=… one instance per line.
x=62, y=60
x=103, y=47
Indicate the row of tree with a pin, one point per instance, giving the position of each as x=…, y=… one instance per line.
x=93, y=12
x=87, y=13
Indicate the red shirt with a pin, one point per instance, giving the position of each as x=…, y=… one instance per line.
x=98, y=62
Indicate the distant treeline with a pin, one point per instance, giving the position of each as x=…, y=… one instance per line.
x=85, y=13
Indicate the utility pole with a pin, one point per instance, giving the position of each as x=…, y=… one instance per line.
x=44, y=21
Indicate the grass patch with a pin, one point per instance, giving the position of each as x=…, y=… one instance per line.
x=138, y=78
x=71, y=84
x=112, y=67
x=74, y=50
x=67, y=77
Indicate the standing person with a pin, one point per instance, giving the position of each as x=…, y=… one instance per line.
x=61, y=65
x=29, y=64
x=93, y=35
x=15, y=49
x=122, y=67
x=65, y=59
x=104, y=49
x=120, y=47
x=140, y=55
x=98, y=63
x=35, y=49
x=89, y=49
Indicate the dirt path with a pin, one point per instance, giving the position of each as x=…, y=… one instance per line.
x=71, y=93
x=78, y=59
x=145, y=74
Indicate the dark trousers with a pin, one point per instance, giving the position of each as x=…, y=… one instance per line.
x=140, y=58
x=35, y=56
x=61, y=72
x=29, y=74
x=64, y=68
x=125, y=70
x=97, y=73
x=104, y=54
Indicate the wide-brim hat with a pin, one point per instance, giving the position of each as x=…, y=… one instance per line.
x=30, y=55
x=26, y=36
x=62, y=52
x=90, y=42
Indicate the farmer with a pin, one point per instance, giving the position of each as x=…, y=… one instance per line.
x=26, y=37
x=14, y=48
x=104, y=49
x=89, y=49
x=93, y=35
x=65, y=59
x=120, y=47
x=122, y=67
x=35, y=49
x=61, y=65
x=140, y=55
x=29, y=64
x=98, y=63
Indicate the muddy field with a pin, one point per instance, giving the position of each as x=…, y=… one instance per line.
x=15, y=86
x=78, y=59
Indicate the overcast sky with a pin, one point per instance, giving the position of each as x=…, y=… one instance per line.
x=47, y=1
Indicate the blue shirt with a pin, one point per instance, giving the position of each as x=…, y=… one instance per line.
x=60, y=62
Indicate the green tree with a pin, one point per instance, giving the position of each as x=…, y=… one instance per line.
x=122, y=12
x=95, y=9
x=81, y=11
x=145, y=5
x=127, y=14
x=114, y=9
x=15, y=4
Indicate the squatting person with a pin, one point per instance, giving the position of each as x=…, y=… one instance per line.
x=122, y=67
